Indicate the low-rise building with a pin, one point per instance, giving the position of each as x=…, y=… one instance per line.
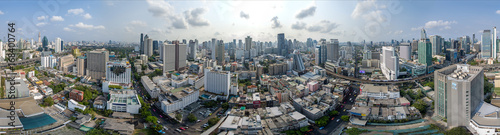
x=379, y=92
x=76, y=95
x=178, y=98
x=72, y=104
x=486, y=120
x=123, y=101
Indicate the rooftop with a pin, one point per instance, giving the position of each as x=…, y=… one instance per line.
x=487, y=115
x=126, y=96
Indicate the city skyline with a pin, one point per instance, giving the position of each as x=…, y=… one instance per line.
x=175, y=20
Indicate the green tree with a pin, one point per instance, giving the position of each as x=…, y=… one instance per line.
x=322, y=121
x=178, y=116
x=213, y=121
x=192, y=118
x=421, y=106
x=345, y=117
x=48, y=101
x=304, y=129
x=457, y=131
x=97, y=131
x=333, y=113
x=151, y=119
x=355, y=131
x=225, y=105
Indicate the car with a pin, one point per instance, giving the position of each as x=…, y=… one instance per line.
x=182, y=128
x=198, y=120
x=310, y=130
x=178, y=130
x=158, y=121
x=333, y=118
x=165, y=128
x=344, y=110
x=338, y=120
x=321, y=128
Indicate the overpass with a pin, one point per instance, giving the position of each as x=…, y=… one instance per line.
x=377, y=81
x=25, y=62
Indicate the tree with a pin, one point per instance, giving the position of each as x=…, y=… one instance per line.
x=333, y=113
x=97, y=131
x=354, y=131
x=421, y=106
x=178, y=116
x=322, y=121
x=304, y=129
x=151, y=119
x=225, y=105
x=213, y=121
x=345, y=118
x=457, y=131
x=48, y=101
x=192, y=118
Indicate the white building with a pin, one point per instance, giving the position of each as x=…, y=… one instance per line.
x=48, y=61
x=150, y=87
x=390, y=63
x=218, y=82
x=117, y=73
x=72, y=104
x=405, y=51
x=379, y=92
x=177, y=99
x=486, y=120
x=124, y=101
x=58, y=47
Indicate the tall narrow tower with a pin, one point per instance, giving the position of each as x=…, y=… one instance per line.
x=494, y=42
x=39, y=38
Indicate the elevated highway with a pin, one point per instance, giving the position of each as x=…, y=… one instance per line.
x=377, y=81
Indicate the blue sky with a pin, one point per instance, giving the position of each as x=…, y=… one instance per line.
x=370, y=20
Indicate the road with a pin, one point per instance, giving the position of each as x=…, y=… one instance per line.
x=346, y=105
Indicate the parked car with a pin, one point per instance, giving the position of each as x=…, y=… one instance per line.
x=178, y=130
x=182, y=128
x=321, y=128
x=338, y=120
x=198, y=120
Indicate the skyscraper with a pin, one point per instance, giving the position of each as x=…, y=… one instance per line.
x=220, y=52
x=389, y=63
x=281, y=44
x=486, y=44
x=423, y=34
x=148, y=46
x=405, y=51
x=459, y=90
x=437, y=43
x=424, y=52
x=192, y=49
x=96, y=63
x=332, y=48
x=58, y=45
x=155, y=46
x=45, y=43
x=174, y=56
x=494, y=42
x=142, y=44
x=81, y=65
x=248, y=43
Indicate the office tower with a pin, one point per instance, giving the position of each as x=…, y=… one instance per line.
x=298, y=63
x=174, y=56
x=437, y=43
x=220, y=52
x=2, y=54
x=117, y=73
x=96, y=63
x=414, y=45
x=218, y=82
x=81, y=65
x=465, y=44
x=281, y=43
x=155, y=45
x=248, y=43
x=473, y=38
x=405, y=51
x=240, y=44
x=184, y=41
x=48, y=61
x=65, y=62
x=142, y=44
x=309, y=42
x=459, y=91
x=57, y=48
x=148, y=46
x=389, y=63
x=494, y=44
x=486, y=44
x=45, y=43
x=424, y=52
x=192, y=49
x=423, y=34
x=39, y=37
x=332, y=48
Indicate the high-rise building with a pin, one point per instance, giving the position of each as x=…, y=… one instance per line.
x=45, y=43
x=437, y=43
x=117, y=73
x=405, y=51
x=423, y=34
x=459, y=91
x=81, y=65
x=142, y=44
x=218, y=82
x=332, y=48
x=281, y=44
x=486, y=44
x=465, y=43
x=174, y=56
x=389, y=63
x=248, y=43
x=424, y=52
x=298, y=63
x=96, y=63
x=58, y=46
x=321, y=52
x=155, y=45
x=192, y=49
x=148, y=46
x=240, y=44
x=65, y=62
x=220, y=52
x=494, y=42
x=48, y=61
x=309, y=42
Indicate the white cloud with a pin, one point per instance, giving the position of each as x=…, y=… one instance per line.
x=163, y=9
x=87, y=16
x=416, y=29
x=370, y=10
x=42, y=18
x=56, y=18
x=275, y=23
x=397, y=32
x=306, y=12
x=216, y=33
x=138, y=23
x=498, y=12
x=1, y=13
x=76, y=11
x=41, y=24
x=439, y=23
x=324, y=26
x=68, y=29
x=81, y=25
x=298, y=26
x=193, y=17
x=244, y=15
